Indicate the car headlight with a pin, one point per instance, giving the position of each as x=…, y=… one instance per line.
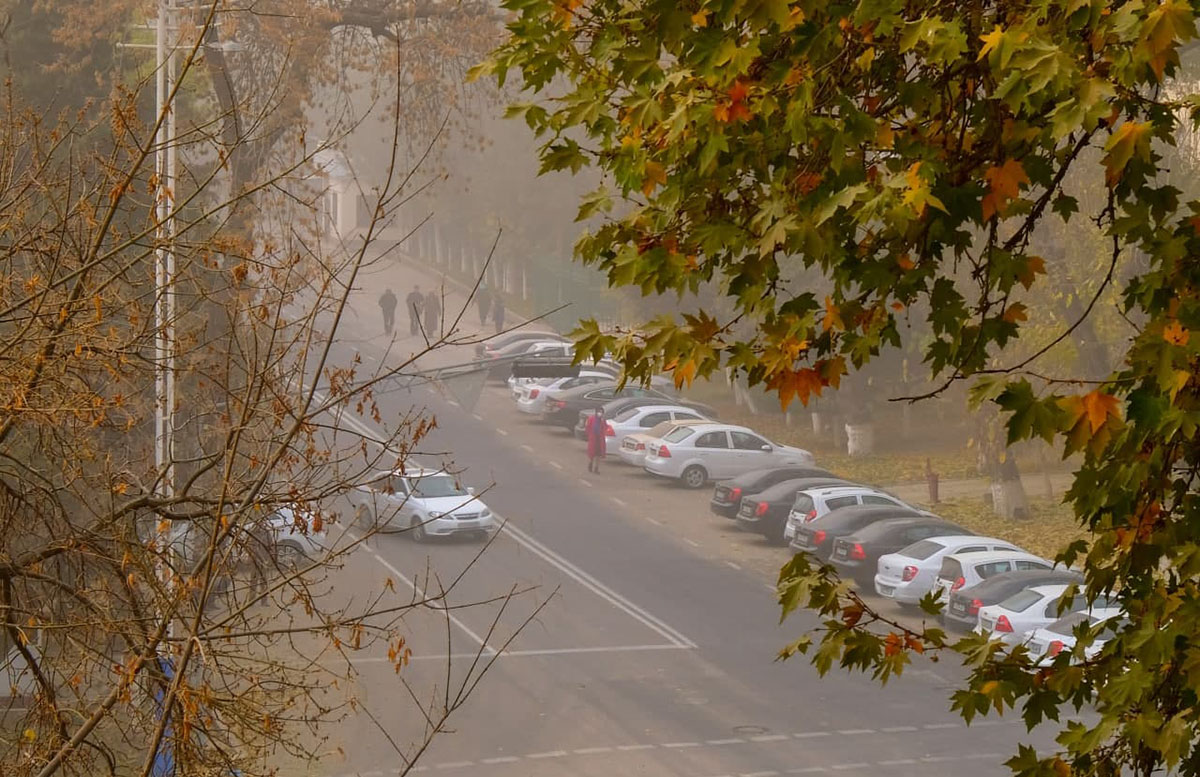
x=434, y=515
x=486, y=513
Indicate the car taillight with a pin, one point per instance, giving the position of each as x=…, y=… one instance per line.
x=909, y=573
x=857, y=552
x=1055, y=648
x=557, y=404
x=959, y=583
x=973, y=607
x=811, y=516
x=735, y=494
x=761, y=509
x=533, y=393
x=664, y=452
x=608, y=431
x=641, y=446
x=818, y=536
x=1002, y=624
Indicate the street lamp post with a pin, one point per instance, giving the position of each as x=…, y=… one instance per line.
x=164, y=264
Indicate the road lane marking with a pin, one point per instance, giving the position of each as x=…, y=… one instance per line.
x=897, y=762
x=548, y=754
x=631, y=748
x=500, y=759
x=810, y=734
x=730, y=741
x=501, y=432
x=556, y=465
x=937, y=759
x=680, y=745
x=939, y=726
x=849, y=732
x=758, y=774
x=454, y=765
x=806, y=770
x=592, y=750
x=770, y=738
x=693, y=543
x=476, y=416
x=534, y=652
x=654, y=521
x=619, y=501
x=526, y=447
x=586, y=482
x=421, y=592
x=897, y=729
x=842, y=767
x=596, y=587
x=733, y=565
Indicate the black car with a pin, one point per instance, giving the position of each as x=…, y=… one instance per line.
x=857, y=554
x=500, y=363
x=817, y=537
x=766, y=512
x=727, y=496
x=564, y=409
x=613, y=408
x=961, y=612
x=495, y=344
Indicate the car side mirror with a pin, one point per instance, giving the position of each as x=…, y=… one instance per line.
x=767, y=448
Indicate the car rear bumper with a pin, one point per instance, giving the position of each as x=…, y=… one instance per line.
x=723, y=509
x=897, y=589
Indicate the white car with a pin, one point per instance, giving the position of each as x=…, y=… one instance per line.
x=1047, y=642
x=296, y=536
x=634, y=446
x=963, y=570
x=699, y=452
x=634, y=420
x=1012, y=620
x=909, y=574
x=813, y=503
x=531, y=395
x=425, y=503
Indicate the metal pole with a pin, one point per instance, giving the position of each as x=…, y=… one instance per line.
x=164, y=268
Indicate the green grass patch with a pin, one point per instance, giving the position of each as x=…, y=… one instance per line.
x=1050, y=528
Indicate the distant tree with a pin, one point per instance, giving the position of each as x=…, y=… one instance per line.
x=909, y=151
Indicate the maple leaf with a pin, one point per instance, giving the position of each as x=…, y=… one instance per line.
x=1015, y=313
x=1004, y=184
x=1131, y=137
x=905, y=262
x=833, y=316
x=721, y=112
x=1034, y=266
x=892, y=644
x=1098, y=406
x=685, y=373
x=1176, y=333
x=990, y=41
x=700, y=18
x=1165, y=26
x=737, y=92
x=655, y=175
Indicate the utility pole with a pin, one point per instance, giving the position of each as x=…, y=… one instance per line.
x=164, y=264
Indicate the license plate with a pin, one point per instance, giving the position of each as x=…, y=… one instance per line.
x=840, y=553
x=886, y=590
x=958, y=607
x=788, y=532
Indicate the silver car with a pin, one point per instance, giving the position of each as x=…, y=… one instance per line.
x=425, y=503
x=700, y=452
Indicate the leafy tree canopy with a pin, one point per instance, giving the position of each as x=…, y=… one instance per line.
x=908, y=151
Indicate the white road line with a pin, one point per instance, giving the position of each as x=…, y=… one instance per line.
x=897, y=729
x=693, y=543
x=596, y=587
x=842, y=767
x=525, y=653
x=526, y=447
x=501, y=432
x=476, y=416
x=810, y=734
x=758, y=774
x=420, y=592
x=770, y=738
x=619, y=501
x=897, y=762
x=680, y=745
x=500, y=759
x=654, y=521
x=586, y=482
x=937, y=759
x=454, y=765
x=981, y=756
x=849, y=732
x=549, y=754
x=939, y=726
x=806, y=770
x=733, y=565
x=452, y=403
x=631, y=748
x=556, y=465
x=730, y=741
x=592, y=750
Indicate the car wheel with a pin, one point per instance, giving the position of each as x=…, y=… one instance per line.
x=694, y=476
x=417, y=531
x=289, y=555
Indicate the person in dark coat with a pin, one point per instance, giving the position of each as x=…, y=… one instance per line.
x=433, y=314
x=387, y=303
x=415, y=301
x=596, y=428
x=498, y=313
x=483, y=298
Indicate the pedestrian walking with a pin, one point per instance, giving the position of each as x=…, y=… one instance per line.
x=498, y=313
x=415, y=301
x=433, y=314
x=483, y=298
x=596, y=428
x=387, y=303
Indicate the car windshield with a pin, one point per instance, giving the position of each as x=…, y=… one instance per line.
x=922, y=550
x=432, y=486
x=625, y=414
x=1066, y=624
x=681, y=433
x=803, y=503
x=951, y=569
x=1021, y=601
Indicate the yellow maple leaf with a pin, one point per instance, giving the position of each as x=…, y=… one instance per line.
x=833, y=316
x=700, y=18
x=685, y=373
x=990, y=41
x=655, y=175
x=1004, y=184
x=1098, y=406
x=1130, y=138
x=1176, y=333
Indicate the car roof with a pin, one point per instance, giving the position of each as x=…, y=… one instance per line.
x=753, y=476
x=853, y=513
x=663, y=407
x=977, y=556
x=848, y=488
x=793, y=485
x=883, y=528
x=1007, y=582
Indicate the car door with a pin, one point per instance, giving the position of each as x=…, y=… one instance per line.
x=838, y=502
x=748, y=451
x=713, y=449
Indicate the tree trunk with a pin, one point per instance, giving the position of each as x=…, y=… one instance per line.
x=1008, y=492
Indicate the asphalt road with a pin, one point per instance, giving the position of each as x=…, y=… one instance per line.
x=617, y=647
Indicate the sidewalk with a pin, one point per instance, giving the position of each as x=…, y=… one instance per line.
x=975, y=488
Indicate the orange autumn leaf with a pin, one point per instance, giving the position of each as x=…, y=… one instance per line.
x=685, y=373
x=655, y=175
x=1176, y=333
x=1098, y=406
x=1015, y=313
x=891, y=644
x=700, y=18
x=905, y=262
x=1034, y=266
x=833, y=316
x=1004, y=184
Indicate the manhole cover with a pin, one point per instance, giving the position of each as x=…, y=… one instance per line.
x=750, y=729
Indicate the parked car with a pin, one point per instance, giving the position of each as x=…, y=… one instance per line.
x=697, y=453
x=857, y=555
x=615, y=407
x=296, y=536
x=531, y=396
x=1014, y=619
x=634, y=420
x=607, y=371
x=910, y=573
x=961, y=612
x=1048, y=641
x=634, y=446
x=811, y=503
x=425, y=503
x=563, y=408
x=495, y=344
x=766, y=512
x=499, y=365
x=727, y=496
x=965, y=570
x=818, y=537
